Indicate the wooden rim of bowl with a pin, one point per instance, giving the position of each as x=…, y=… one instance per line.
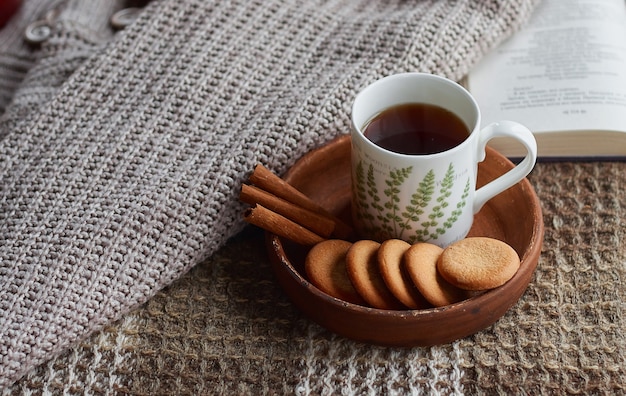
x=514, y=288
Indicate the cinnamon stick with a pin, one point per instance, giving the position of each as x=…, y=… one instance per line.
x=281, y=226
x=321, y=225
x=268, y=181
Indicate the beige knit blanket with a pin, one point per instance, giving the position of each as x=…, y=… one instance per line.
x=121, y=157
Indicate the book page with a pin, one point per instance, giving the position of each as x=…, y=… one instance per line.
x=566, y=70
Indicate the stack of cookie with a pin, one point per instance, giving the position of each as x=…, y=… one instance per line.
x=396, y=275
x=389, y=275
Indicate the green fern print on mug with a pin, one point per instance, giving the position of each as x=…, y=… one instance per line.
x=380, y=212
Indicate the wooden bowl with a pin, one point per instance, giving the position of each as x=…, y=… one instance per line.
x=513, y=216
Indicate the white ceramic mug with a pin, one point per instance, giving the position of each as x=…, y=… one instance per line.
x=432, y=197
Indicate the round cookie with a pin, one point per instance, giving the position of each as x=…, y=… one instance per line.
x=391, y=265
x=325, y=266
x=363, y=271
x=478, y=263
x=421, y=264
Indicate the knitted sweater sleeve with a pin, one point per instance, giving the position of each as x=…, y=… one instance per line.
x=121, y=161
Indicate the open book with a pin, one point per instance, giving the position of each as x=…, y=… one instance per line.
x=564, y=77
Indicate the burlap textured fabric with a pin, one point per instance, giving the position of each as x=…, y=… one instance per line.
x=225, y=327
x=120, y=162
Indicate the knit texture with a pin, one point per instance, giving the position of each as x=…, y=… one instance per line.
x=225, y=327
x=122, y=155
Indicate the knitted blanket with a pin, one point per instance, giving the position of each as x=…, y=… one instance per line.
x=121, y=157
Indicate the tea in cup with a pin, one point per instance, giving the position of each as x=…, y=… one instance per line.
x=416, y=145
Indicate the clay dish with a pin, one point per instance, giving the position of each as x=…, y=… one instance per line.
x=513, y=216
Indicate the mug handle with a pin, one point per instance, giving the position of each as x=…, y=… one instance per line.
x=521, y=134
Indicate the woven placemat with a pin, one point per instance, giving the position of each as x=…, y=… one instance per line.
x=227, y=328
